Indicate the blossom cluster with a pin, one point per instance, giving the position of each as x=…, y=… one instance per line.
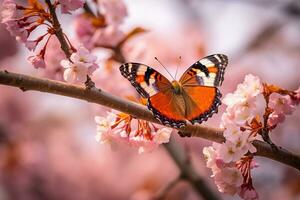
x=231, y=162
x=118, y=128
x=80, y=64
x=281, y=106
x=104, y=28
x=21, y=21
x=70, y=5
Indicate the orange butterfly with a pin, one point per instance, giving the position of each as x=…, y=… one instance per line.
x=193, y=98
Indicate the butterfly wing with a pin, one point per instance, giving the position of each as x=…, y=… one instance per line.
x=150, y=84
x=208, y=71
x=201, y=102
x=199, y=87
x=146, y=80
x=168, y=108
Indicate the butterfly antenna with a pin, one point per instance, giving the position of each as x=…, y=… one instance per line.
x=178, y=66
x=164, y=67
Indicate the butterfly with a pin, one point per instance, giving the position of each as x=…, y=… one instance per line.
x=194, y=98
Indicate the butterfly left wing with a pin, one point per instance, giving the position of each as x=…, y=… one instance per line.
x=209, y=71
x=157, y=89
x=146, y=80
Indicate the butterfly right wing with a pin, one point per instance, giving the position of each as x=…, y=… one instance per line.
x=199, y=83
x=209, y=71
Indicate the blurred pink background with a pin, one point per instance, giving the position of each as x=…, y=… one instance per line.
x=47, y=145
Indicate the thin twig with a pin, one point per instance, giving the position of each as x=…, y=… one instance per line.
x=103, y=98
x=58, y=31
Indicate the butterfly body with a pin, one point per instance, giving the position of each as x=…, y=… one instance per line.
x=176, y=87
x=193, y=98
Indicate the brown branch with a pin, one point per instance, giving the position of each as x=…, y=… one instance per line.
x=58, y=30
x=164, y=193
x=94, y=95
x=188, y=172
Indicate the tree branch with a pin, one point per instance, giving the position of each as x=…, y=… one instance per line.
x=97, y=96
x=165, y=191
x=188, y=172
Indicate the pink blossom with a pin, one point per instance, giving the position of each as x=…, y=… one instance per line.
x=109, y=36
x=229, y=152
x=104, y=133
x=122, y=128
x=248, y=194
x=296, y=99
x=244, y=142
x=83, y=55
x=30, y=45
x=275, y=118
x=227, y=160
x=9, y=16
x=210, y=156
x=242, y=139
x=281, y=104
x=114, y=10
x=231, y=131
x=251, y=87
x=241, y=109
x=37, y=61
x=84, y=30
x=228, y=180
x=242, y=112
x=74, y=73
x=70, y=5
x=92, y=31
x=53, y=57
x=81, y=64
x=8, y=42
x=91, y=35
x=162, y=135
x=8, y=10
x=241, y=105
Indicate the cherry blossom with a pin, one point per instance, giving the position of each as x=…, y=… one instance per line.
x=70, y=5
x=238, y=120
x=281, y=106
x=104, y=29
x=228, y=180
x=37, y=61
x=296, y=98
x=241, y=105
x=9, y=15
x=122, y=128
x=242, y=125
x=104, y=132
x=211, y=157
x=22, y=20
x=109, y=36
x=114, y=10
x=250, y=88
x=8, y=10
x=53, y=57
x=81, y=64
x=248, y=194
